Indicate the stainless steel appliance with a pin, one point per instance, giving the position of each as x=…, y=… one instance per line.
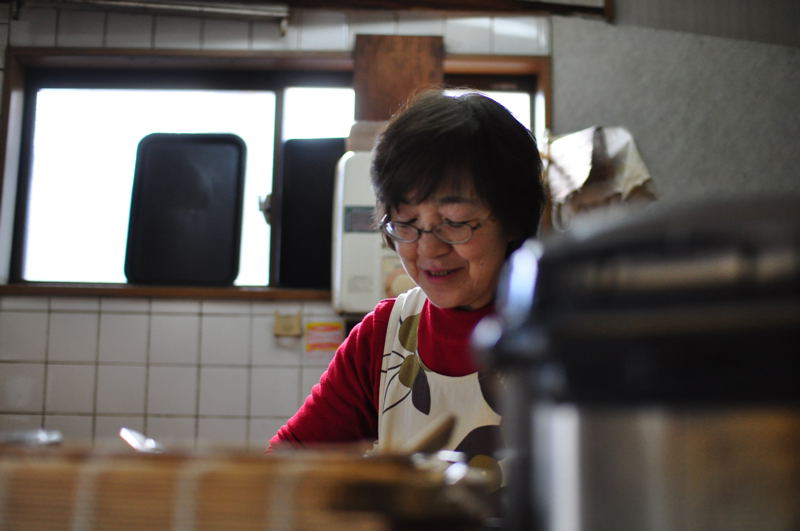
x=652, y=371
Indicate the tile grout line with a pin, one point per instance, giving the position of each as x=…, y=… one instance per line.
x=249, y=381
x=104, y=31
x=57, y=29
x=198, y=366
x=153, y=28
x=147, y=344
x=492, y=34
x=95, y=391
x=46, y=361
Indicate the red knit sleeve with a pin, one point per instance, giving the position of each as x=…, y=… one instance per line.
x=343, y=406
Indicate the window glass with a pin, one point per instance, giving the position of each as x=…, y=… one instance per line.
x=84, y=152
x=518, y=103
x=318, y=113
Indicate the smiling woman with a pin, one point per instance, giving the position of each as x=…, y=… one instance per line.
x=457, y=182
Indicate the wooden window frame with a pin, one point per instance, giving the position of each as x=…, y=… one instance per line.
x=18, y=60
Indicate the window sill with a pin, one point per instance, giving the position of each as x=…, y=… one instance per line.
x=58, y=289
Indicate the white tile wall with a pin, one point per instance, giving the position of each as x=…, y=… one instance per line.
x=174, y=338
x=468, y=35
x=125, y=306
x=72, y=427
x=223, y=391
x=87, y=304
x=371, y=23
x=172, y=390
x=309, y=378
x=14, y=422
x=258, y=427
x=177, y=32
x=80, y=28
x=419, y=23
x=73, y=336
x=274, y=391
x=324, y=30
x=172, y=431
x=123, y=338
x=267, y=35
x=34, y=27
x=215, y=432
x=23, y=335
x=225, y=339
x=197, y=373
x=70, y=388
x=22, y=388
x=124, y=30
x=24, y=303
x=120, y=389
x=226, y=34
x=188, y=372
x=520, y=35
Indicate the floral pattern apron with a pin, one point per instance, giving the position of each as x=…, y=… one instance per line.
x=412, y=397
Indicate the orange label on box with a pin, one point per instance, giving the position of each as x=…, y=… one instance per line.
x=324, y=335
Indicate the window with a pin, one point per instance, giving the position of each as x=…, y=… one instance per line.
x=83, y=119
x=83, y=150
x=522, y=94
x=517, y=102
x=312, y=112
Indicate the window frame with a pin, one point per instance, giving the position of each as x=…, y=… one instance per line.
x=189, y=79
x=24, y=65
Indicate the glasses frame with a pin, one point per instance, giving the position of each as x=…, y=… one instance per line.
x=385, y=221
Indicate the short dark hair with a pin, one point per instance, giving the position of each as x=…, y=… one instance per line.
x=460, y=142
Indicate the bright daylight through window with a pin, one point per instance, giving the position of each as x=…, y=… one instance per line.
x=518, y=103
x=84, y=152
x=84, y=149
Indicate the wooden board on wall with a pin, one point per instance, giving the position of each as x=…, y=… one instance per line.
x=388, y=69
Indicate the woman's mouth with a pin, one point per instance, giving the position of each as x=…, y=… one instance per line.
x=439, y=274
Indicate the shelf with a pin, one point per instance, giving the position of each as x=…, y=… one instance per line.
x=261, y=293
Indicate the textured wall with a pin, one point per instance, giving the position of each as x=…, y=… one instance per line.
x=773, y=21
x=711, y=116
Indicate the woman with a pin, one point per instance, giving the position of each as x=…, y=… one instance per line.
x=457, y=181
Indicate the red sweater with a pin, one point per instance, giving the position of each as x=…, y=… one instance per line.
x=343, y=406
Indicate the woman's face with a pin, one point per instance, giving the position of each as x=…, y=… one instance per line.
x=453, y=275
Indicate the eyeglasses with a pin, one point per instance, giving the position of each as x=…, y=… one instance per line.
x=450, y=232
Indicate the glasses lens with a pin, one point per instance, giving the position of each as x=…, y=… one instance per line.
x=453, y=232
x=402, y=231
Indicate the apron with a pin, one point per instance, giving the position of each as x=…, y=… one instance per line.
x=412, y=397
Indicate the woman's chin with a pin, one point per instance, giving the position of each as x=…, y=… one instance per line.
x=453, y=301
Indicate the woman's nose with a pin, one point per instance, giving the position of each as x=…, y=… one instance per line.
x=429, y=245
